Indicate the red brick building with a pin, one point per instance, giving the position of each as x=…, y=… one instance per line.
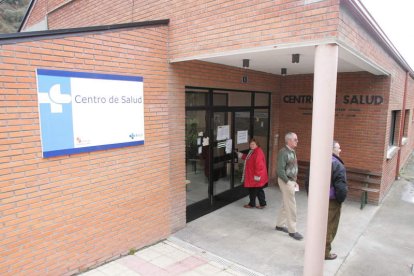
x=64, y=214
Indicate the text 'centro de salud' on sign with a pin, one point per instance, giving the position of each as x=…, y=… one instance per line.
x=103, y=100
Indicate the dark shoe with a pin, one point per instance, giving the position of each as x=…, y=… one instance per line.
x=248, y=206
x=260, y=206
x=296, y=236
x=331, y=256
x=283, y=229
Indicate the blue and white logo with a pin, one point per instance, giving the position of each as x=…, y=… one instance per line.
x=55, y=98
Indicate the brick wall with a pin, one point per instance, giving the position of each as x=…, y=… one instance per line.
x=407, y=148
x=81, y=13
x=359, y=127
x=230, y=25
x=396, y=103
x=199, y=27
x=352, y=32
x=64, y=214
x=355, y=34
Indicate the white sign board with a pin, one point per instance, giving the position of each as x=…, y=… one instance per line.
x=229, y=144
x=223, y=132
x=82, y=112
x=242, y=136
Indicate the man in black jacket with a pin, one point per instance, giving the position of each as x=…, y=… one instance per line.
x=337, y=195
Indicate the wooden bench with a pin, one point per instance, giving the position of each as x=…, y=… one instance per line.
x=361, y=180
x=365, y=181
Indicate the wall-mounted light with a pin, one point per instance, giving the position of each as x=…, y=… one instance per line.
x=246, y=63
x=295, y=58
x=283, y=71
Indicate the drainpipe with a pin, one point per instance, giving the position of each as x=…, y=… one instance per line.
x=402, y=123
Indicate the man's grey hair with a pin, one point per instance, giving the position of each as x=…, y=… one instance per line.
x=289, y=136
x=334, y=143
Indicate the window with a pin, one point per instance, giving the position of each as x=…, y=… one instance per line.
x=406, y=120
x=394, y=133
x=220, y=99
x=412, y=118
x=395, y=127
x=196, y=98
x=404, y=139
x=232, y=98
x=261, y=99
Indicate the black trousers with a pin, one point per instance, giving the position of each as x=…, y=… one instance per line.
x=259, y=193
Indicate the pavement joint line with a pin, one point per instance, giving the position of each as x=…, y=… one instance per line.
x=212, y=257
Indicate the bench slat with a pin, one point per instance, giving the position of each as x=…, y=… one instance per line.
x=370, y=189
x=364, y=180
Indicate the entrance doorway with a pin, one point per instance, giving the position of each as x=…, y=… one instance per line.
x=218, y=123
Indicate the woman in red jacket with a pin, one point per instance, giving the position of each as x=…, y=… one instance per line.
x=255, y=174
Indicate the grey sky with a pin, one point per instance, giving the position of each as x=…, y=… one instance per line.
x=396, y=19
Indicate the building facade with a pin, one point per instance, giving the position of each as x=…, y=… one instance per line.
x=65, y=214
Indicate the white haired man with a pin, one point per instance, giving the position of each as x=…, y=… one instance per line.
x=287, y=171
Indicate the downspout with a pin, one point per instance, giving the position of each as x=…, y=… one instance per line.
x=402, y=123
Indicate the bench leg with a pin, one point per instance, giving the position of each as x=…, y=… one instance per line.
x=364, y=199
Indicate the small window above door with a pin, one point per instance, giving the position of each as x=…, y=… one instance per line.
x=196, y=98
x=233, y=98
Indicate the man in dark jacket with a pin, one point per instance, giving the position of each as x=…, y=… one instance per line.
x=337, y=195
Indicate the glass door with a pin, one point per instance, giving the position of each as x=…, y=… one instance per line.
x=231, y=132
x=222, y=147
x=196, y=156
x=261, y=125
x=242, y=134
x=219, y=122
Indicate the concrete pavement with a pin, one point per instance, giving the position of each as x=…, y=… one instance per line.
x=248, y=237
x=377, y=240
x=387, y=245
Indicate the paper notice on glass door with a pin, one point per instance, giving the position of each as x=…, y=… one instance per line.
x=242, y=136
x=206, y=141
x=229, y=144
x=223, y=132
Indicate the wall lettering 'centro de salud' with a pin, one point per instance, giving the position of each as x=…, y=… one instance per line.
x=346, y=99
